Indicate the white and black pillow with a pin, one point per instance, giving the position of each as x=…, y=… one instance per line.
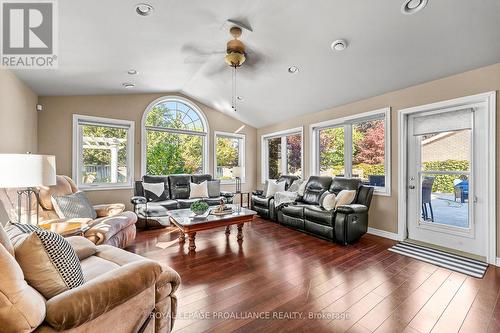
x=49, y=262
x=154, y=191
x=74, y=206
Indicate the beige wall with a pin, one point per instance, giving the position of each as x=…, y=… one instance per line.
x=383, y=213
x=18, y=115
x=55, y=133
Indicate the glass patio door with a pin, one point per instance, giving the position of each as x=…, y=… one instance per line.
x=443, y=180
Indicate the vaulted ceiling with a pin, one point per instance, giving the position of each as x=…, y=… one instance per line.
x=100, y=40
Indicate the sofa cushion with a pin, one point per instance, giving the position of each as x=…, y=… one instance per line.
x=273, y=187
x=156, y=180
x=341, y=183
x=82, y=246
x=319, y=215
x=64, y=186
x=94, y=266
x=197, y=179
x=179, y=186
x=49, y=263
x=296, y=211
x=185, y=203
x=22, y=308
x=73, y=206
x=260, y=201
x=157, y=209
x=5, y=241
x=315, y=187
x=104, y=228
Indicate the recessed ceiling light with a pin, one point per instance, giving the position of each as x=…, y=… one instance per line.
x=240, y=98
x=132, y=72
x=293, y=69
x=339, y=45
x=144, y=9
x=412, y=6
x=128, y=85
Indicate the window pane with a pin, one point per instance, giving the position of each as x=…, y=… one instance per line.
x=331, y=151
x=175, y=115
x=104, y=155
x=170, y=153
x=294, y=154
x=274, y=158
x=368, y=150
x=445, y=193
x=227, y=154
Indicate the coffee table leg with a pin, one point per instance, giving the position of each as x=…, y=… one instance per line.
x=240, y=231
x=182, y=237
x=191, y=237
x=228, y=230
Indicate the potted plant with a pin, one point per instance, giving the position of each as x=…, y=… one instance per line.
x=199, y=207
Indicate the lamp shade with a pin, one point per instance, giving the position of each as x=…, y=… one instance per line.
x=236, y=172
x=27, y=170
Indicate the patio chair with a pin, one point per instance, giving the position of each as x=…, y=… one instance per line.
x=461, y=189
x=427, y=183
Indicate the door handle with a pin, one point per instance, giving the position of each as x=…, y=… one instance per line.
x=411, y=187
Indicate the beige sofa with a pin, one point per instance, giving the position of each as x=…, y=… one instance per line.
x=113, y=225
x=123, y=292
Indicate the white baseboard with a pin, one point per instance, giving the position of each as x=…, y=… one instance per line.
x=383, y=233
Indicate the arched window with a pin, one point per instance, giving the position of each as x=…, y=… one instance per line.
x=174, y=138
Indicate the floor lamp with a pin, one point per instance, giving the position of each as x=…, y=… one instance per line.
x=27, y=172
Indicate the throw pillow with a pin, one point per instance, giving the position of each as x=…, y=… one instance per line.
x=49, y=263
x=154, y=191
x=74, y=206
x=273, y=187
x=23, y=308
x=295, y=185
x=329, y=201
x=214, y=188
x=266, y=185
x=302, y=188
x=198, y=190
x=345, y=197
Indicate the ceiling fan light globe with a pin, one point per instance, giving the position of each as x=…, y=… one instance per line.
x=235, y=59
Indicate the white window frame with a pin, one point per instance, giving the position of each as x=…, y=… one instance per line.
x=241, y=154
x=77, y=153
x=347, y=123
x=204, y=134
x=265, y=151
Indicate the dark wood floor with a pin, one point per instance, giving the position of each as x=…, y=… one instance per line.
x=277, y=277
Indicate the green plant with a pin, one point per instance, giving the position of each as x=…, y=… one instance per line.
x=199, y=207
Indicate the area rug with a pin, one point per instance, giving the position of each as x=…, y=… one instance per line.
x=474, y=268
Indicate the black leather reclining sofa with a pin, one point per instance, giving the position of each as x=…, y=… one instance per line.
x=344, y=225
x=265, y=206
x=175, y=196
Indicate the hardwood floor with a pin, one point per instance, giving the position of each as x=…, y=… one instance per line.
x=281, y=280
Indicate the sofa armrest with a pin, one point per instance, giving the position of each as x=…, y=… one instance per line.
x=258, y=193
x=352, y=209
x=77, y=306
x=109, y=209
x=227, y=194
x=137, y=200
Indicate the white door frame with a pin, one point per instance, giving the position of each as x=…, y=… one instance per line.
x=490, y=99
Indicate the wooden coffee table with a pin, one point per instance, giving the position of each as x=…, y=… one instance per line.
x=188, y=224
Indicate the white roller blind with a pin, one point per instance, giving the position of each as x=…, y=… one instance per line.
x=443, y=122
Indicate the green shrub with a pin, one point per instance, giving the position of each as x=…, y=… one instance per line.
x=444, y=183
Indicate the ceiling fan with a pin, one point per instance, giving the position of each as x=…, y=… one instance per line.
x=237, y=54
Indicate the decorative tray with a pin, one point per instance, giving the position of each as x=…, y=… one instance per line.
x=225, y=212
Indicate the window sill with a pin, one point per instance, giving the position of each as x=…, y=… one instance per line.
x=104, y=188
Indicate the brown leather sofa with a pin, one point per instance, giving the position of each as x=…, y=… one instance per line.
x=123, y=292
x=113, y=225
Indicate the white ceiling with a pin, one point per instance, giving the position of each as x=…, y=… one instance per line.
x=100, y=40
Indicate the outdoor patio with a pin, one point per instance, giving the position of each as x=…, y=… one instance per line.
x=449, y=211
